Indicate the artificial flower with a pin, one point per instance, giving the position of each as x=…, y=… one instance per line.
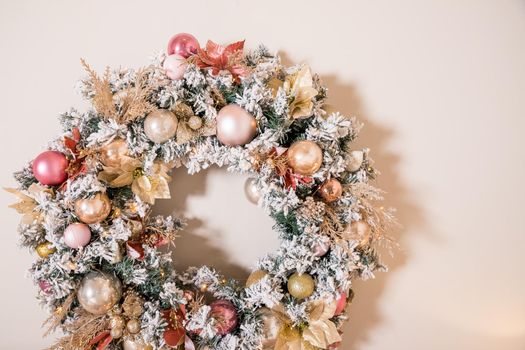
x=223, y=58
x=28, y=204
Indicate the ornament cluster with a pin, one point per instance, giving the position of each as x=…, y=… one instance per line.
x=87, y=203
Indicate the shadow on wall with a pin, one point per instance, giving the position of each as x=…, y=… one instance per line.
x=365, y=314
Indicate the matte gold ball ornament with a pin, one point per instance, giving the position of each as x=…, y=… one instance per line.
x=331, y=190
x=93, y=210
x=305, y=157
x=112, y=154
x=44, y=250
x=301, y=286
x=160, y=125
x=99, y=292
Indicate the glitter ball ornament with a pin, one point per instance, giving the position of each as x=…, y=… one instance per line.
x=301, y=286
x=135, y=344
x=354, y=161
x=160, y=125
x=77, y=235
x=252, y=190
x=183, y=44
x=175, y=66
x=93, y=210
x=99, y=292
x=112, y=154
x=305, y=157
x=255, y=277
x=195, y=122
x=45, y=249
x=235, y=126
x=50, y=168
x=331, y=190
x=225, y=314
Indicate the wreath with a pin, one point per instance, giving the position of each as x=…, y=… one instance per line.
x=87, y=202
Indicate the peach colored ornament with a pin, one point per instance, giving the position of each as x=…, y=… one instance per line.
x=305, y=157
x=235, y=126
x=111, y=154
x=331, y=190
x=77, y=235
x=93, y=210
x=175, y=66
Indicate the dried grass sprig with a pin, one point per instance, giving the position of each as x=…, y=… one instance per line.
x=102, y=94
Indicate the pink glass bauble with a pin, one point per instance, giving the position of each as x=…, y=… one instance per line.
x=175, y=66
x=45, y=286
x=50, y=168
x=235, y=126
x=183, y=44
x=321, y=248
x=77, y=235
x=226, y=315
x=341, y=304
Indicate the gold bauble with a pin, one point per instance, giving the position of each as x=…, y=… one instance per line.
x=116, y=322
x=331, y=190
x=116, y=332
x=301, y=286
x=255, y=277
x=133, y=326
x=99, y=292
x=45, y=249
x=135, y=344
x=93, y=210
x=160, y=125
x=271, y=327
x=112, y=154
x=195, y=122
x=305, y=157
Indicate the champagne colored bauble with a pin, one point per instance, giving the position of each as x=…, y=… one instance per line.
x=225, y=314
x=255, y=277
x=50, y=168
x=183, y=44
x=135, y=344
x=321, y=248
x=305, y=157
x=301, y=286
x=175, y=66
x=252, y=190
x=99, y=292
x=331, y=190
x=117, y=321
x=160, y=125
x=77, y=235
x=195, y=122
x=133, y=326
x=45, y=249
x=358, y=230
x=271, y=327
x=93, y=210
x=235, y=126
x=116, y=332
x=112, y=154
x=354, y=161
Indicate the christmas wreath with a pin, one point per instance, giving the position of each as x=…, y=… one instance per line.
x=86, y=203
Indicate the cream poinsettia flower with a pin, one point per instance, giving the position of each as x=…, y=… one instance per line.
x=147, y=186
x=28, y=202
x=300, y=87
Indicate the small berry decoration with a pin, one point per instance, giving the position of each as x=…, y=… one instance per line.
x=87, y=200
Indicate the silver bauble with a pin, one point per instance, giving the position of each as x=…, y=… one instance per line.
x=99, y=292
x=251, y=190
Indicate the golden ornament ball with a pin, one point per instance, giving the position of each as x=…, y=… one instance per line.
x=255, y=277
x=99, y=292
x=331, y=190
x=160, y=125
x=135, y=344
x=305, y=157
x=45, y=249
x=93, y=210
x=195, y=122
x=112, y=154
x=116, y=322
x=116, y=332
x=271, y=327
x=301, y=286
x=358, y=230
x=133, y=326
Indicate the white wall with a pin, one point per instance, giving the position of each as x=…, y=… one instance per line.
x=440, y=85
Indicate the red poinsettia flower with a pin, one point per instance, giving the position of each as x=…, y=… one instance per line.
x=77, y=165
x=220, y=58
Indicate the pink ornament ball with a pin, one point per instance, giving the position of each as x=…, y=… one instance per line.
x=45, y=286
x=183, y=44
x=341, y=304
x=175, y=66
x=226, y=314
x=321, y=248
x=50, y=168
x=235, y=126
x=77, y=235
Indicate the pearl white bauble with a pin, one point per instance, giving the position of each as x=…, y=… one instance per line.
x=160, y=125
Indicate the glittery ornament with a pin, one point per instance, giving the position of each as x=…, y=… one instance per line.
x=45, y=249
x=301, y=286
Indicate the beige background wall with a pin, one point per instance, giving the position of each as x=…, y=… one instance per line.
x=440, y=85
